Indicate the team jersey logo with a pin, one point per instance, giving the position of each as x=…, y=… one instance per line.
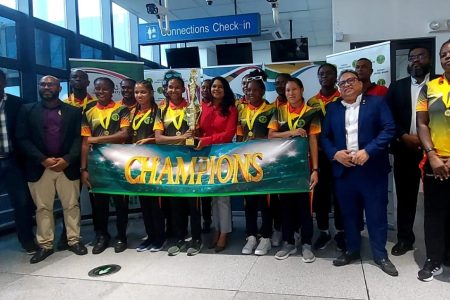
x=301, y=123
x=148, y=120
x=115, y=117
x=262, y=119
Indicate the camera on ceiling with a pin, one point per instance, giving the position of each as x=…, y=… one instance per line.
x=274, y=3
x=155, y=9
x=209, y=2
x=275, y=11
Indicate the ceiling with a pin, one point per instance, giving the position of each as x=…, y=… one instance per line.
x=310, y=18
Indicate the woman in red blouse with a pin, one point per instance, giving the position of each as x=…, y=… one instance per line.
x=217, y=125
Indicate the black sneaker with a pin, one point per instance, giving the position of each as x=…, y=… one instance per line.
x=144, y=246
x=339, y=238
x=322, y=241
x=177, y=248
x=429, y=270
x=194, y=248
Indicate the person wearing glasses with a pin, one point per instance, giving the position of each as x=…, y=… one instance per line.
x=364, y=69
x=105, y=123
x=406, y=147
x=297, y=119
x=324, y=196
x=355, y=136
x=433, y=128
x=253, y=121
x=49, y=136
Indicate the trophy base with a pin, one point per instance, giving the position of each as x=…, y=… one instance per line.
x=191, y=142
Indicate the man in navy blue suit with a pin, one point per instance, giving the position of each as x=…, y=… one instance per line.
x=355, y=137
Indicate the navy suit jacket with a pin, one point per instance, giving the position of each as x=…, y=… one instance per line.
x=376, y=129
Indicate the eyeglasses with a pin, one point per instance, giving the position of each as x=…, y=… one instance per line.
x=418, y=57
x=254, y=78
x=49, y=84
x=349, y=81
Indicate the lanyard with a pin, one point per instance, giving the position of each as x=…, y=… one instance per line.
x=103, y=123
x=180, y=119
x=294, y=126
x=251, y=122
x=136, y=126
x=73, y=101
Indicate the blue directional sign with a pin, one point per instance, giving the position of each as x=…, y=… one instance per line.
x=223, y=27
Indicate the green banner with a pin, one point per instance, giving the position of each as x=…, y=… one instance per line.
x=255, y=167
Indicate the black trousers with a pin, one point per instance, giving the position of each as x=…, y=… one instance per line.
x=407, y=179
x=252, y=202
x=206, y=210
x=275, y=208
x=13, y=181
x=153, y=218
x=324, y=197
x=437, y=216
x=296, y=212
x=100, y=213
x=181, y=209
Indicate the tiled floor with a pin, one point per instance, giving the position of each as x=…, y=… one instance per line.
x=228, y=275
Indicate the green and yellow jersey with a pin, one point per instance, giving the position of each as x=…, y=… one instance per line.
x=104, y=120
x=142, y=124
x=171, y=119
x=288, y=118
x=322, y=101
x=88, y=102
x=253, y=121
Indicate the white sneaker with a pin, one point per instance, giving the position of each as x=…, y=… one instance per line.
x=307, y=254
x=297, y=239
x=285, y=251
x=276, y=238
x=263, y=247
x=250, y=245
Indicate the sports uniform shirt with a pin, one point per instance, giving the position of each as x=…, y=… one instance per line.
x=171, y=119
x=322, y=101
x=305, y=117
x=376, y=90
x=86, y=103
x=258, y=117
x=434, y=98
x=142, y=124
x=105, y=120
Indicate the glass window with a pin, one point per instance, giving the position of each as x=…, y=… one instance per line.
x=146, y=51
x=90, y=15
x=13, y=82
x=163, y=48
x=89, y=52
x=8, y=43
x=121, y=27
x=53, y=11
x=50, y=49
x=9, y=3
x=64, y=85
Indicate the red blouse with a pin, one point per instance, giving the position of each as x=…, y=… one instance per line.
x=215, y=128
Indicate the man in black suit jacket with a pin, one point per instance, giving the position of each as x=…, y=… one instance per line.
x=10, y=172
x=406, y=148
x=49, y=136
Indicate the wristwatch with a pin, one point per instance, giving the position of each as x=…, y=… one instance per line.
x=428, y=150
x=315, y=170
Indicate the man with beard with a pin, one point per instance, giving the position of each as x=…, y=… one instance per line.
x=406, y=148
x=127, y=91
x=49, y=136
x=364, y=69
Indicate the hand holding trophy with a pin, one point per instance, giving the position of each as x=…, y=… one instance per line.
x=193, y=108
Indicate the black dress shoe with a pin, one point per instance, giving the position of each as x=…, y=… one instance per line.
x=120, y=245
x=101, y=244
x=78, y=249
x=346, y=258
x=31, y=248
x=387, y=266
x=401, y=248
x=40, y=255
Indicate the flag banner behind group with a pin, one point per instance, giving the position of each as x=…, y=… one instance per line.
x=254, y=167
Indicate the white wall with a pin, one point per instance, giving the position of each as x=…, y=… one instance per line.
x=367, y=20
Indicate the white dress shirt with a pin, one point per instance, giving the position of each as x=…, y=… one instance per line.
x=415, y=90
x=351, y=123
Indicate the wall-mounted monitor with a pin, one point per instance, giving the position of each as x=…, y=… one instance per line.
x=234, y=54
x=289, y=50
x=183, y=57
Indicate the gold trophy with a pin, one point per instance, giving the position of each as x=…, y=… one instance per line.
x=193, y=108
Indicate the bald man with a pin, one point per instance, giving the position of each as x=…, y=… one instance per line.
x=50, y=139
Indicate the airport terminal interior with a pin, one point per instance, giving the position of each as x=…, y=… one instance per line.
x=38, y=37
